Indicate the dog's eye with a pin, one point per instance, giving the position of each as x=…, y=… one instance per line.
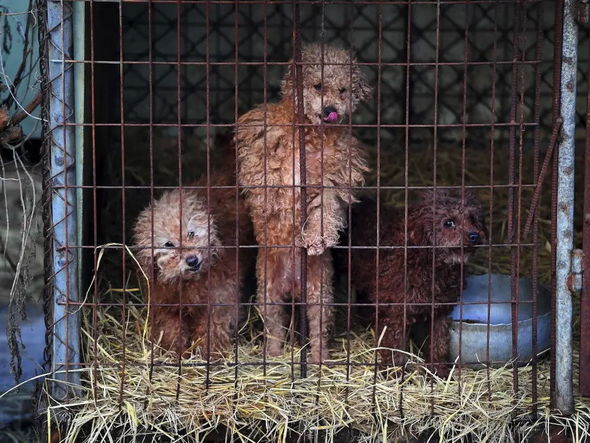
x=318, y=87
x=191, y=234
x=449, y=224
x=342, y=90
x=169, y=244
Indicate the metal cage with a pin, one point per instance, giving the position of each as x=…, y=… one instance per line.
x=143, y=95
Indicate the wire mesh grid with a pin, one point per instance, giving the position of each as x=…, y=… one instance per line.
x=460, y=105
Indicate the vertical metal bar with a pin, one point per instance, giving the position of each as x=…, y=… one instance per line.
x=407, y=122
x=208, y=172
x=535, y=233
x=79, y=26
x=555, y=116
x=236, y=44
x=466, y=56
x=66, y=346
x=517, y=199
x=565, y=212
x=435, y=121
x=93, y=137
x=378, y=199
x=585, y=304
x=179, y=161
x=121, y=88
x=493, y=117
x=512, y=204
x=303, y=177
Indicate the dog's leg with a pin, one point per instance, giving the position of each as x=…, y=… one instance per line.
x=217, y=323
x=271, y=291
x=169, y=328
x=437, y=348
x=323, y=224
x=395, y=337
x=320, y=295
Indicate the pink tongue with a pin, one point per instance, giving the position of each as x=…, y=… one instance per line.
x=331, y=117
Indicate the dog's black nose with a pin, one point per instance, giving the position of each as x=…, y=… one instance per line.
x=328, y=110
x=474, y=237
x=194, y=262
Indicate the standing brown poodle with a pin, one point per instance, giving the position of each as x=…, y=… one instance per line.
x=193, y=279
x=268, y=147
x=431, y=283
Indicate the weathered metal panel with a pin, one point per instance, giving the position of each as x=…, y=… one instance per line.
x=563, y=400
x=66, y=346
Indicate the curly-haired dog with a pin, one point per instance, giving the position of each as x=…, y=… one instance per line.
x=441, y=218
x=193, y=280
x=268, y=147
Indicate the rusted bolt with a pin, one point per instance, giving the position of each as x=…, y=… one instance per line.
x=563, y=207
x=574, y=282
x=570, y=86
x=571, y=283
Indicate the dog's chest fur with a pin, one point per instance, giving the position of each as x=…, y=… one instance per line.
x=269, y=150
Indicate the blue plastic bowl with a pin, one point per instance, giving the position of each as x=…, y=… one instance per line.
x=470, y=324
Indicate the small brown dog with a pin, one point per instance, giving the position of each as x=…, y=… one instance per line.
x=443, y=219
x=194, y=284
x=267, y=140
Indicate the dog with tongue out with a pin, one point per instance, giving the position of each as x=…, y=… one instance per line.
x=268, y=144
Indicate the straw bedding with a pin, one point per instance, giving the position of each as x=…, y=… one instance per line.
x=251, y=403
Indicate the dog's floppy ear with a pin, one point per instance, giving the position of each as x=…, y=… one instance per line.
x=420, y=225
x=287, y=82
x=361, y=88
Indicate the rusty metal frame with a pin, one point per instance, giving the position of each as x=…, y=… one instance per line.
x=564, y=221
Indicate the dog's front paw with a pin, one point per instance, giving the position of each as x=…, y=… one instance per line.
x=315, y=246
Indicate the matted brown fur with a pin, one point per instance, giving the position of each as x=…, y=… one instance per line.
x=268, y=149
x=205, y=231
x=414, y=295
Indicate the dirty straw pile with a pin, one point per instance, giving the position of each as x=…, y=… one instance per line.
x=252, y=404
